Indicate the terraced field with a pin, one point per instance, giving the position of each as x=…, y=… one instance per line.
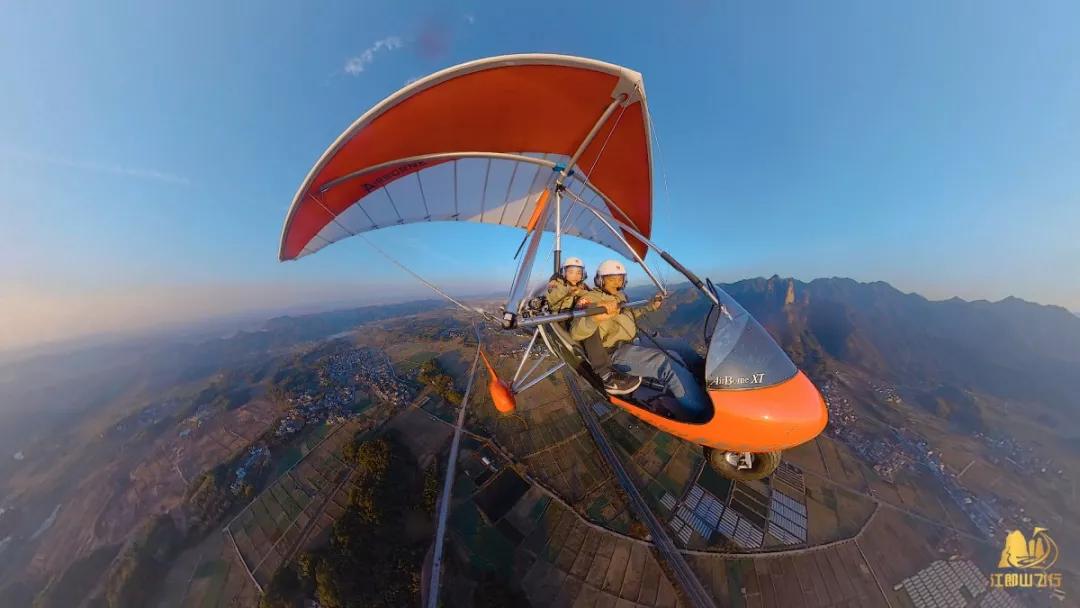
x=559, y=558
x=574, y=564
x=298, y=506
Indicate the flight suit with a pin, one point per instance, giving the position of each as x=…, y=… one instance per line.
x=619, y=336
x=561, y=295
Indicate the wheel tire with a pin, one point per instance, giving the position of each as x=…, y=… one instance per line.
x=764, y=464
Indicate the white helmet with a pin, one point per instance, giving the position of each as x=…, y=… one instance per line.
x=573, y=262
x=608, y=267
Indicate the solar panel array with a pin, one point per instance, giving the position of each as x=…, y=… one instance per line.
x=668, y=501
x=787, y=518
x=703, y=513
x=747, y=535
x=681, y=529
x=790, y=476
x=754, y=507
x=684, y=536
x=706, y=507
x=970, y=575
x=729, y=520
x=939, y=584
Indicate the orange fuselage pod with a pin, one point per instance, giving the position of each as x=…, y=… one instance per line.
x=501, y=395
x=751, y=420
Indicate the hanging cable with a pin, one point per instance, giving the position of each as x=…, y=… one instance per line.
x=393, y=261
x=420, y=278
x=603, y=146
x=588, y=174
x=663, y=172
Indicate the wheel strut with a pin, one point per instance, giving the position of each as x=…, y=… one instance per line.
x=743, y=461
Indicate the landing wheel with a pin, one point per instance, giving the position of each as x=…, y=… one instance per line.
x=742, y=466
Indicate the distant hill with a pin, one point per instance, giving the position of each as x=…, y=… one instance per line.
x=51, y=387
x=1010, y=349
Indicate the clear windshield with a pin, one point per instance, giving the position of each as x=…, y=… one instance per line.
x=742, y=355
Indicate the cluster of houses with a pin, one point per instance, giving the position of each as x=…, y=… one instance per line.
x=332, y=399
x=256, y=454
x=372, y=368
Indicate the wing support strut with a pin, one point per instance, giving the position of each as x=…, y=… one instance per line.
x=686, y=272
x=521, y=279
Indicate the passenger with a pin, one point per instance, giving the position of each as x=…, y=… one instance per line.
x=568, y=290
x=567, y=286
x=617, y=330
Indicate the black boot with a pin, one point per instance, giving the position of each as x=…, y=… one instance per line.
x=618, y=383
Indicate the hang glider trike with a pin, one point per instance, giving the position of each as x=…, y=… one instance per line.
x=561, y=145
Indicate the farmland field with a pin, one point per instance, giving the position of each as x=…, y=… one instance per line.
x=274, y=526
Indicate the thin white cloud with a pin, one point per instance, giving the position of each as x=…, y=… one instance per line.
x=357, y=64
x=109, y=169
x=470, y=19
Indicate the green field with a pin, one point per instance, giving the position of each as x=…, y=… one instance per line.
x=286, y=457
x=286, y=501
x=440, y=409
x=596, y=509
x=487, y=548
x=538, y=509
x=361, y=402
x=735, y=580
x=263, y=519
x=414, y=361
x=463, y=486
x=215, y=567
x=626, y=440
x=313, y=437
x=291, y=495
x=422, y=356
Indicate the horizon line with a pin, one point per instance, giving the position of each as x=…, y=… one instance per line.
x=180, y=328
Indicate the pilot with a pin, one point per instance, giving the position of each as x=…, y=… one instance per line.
x=567, y=290
x=617, y=330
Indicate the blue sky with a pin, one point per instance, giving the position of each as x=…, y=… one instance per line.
x=148, y=153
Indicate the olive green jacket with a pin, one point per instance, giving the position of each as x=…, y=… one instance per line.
x=620, y=328
x=561, y=295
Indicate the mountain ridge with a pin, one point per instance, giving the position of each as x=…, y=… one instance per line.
x=1011, y=350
